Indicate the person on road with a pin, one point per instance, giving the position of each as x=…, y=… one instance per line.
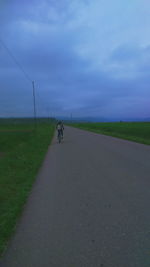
x=60, y=128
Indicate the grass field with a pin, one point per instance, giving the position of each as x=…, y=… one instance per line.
x=134, y=131
x=22, y=151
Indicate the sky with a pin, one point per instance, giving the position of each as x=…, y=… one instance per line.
x=87, y=58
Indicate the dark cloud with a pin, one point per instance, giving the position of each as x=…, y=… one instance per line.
x=65, y=81
x=126, y=52
x=132, y=53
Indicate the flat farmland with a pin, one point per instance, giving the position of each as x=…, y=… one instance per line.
x=134, y=131
x=22, y=150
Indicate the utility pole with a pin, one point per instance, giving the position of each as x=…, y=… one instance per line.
x=34, y=105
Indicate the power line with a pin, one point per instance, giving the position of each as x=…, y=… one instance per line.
x=24, y=72
x=15, y=60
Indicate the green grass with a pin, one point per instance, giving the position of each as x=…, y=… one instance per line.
x=21, y=154
x=134, y=131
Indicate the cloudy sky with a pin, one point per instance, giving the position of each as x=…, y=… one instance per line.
x=88, y=58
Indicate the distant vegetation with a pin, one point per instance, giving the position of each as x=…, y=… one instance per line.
x=134, y=131
x=27, y=120
x=22, y=150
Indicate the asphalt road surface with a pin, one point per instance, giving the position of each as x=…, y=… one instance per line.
x=89, y=207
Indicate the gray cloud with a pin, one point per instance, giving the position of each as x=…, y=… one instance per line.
x=125, y=53
x=41, y=36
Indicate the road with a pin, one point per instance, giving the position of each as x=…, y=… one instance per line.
x=89, y=206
